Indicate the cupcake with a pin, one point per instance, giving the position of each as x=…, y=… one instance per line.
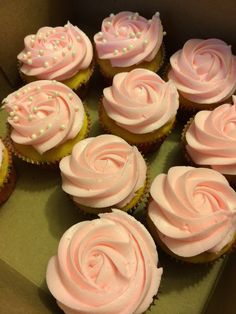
x=7, y=173
x=107, y=265
x=127, y=41
x=103, y=172
x=204, y=73
x=64, y=54
x=210, y=139
x=140, y=107
x=192, y=214
x=46, y=119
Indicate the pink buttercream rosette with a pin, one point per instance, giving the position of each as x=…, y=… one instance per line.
x=210, y=139
x=104, y=266
x=55, y=53
x=204, y=71
x=193, y=212
x=127, y=39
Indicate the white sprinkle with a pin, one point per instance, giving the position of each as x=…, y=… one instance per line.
x=54, y=31
x=117, y=33
x=33, y=136
x=33, y=37
x=49, y=125
x=164, y=33
x=131, y=35
x=73, y=53
x=116, y=52
x=149, y=22
x=38, y=88
x=57, y=94
x=12, y=113
x=78, y=38
x=70, y=96
x=124, y=50
x=30, y=98
x=54, y=47
x=70, y=47
x=17, y=94
x=138, y=34
x=54, y=59
x=57, y=41
x=16, y=107
x=40, y=35
x=16, y=119
x=30, y=117
x=100, y=33
x=49, y=97
x=66, y=26
x=41, y=52
x=29, y=54
x=136, y=14
x=29, y=61
x=104, y=40
x=63, y=37
x=157, y=14
x=47, y=34
x=28, y=88
x=130, y=46
x=41, y=131
x=24, y=56
x=54, y=81
x=145, y=42
x=35, y=109
x=46, y=64
x=111, y=15
x=32, y=42
x=108, y=23
x=62, y=127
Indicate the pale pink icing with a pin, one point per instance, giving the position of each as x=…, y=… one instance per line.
x=56, y=53
x=140, y=101
x=128, y=38
x=204, y=71
x=193, y=209
x=103, y=171
x=211, y=138
x=44, y=114
x=104, y=266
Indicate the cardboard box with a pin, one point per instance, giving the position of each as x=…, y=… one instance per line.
x=38, y=212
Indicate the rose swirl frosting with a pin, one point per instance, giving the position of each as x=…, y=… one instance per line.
x=211, y=138
x=44, y=114
x=128, y=38
x=204, y=71
x=140, y=101
x=103, y=171
x=193, y=209
x=56, y=53
x=104, y=266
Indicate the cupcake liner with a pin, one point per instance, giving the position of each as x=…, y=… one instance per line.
x=9, y=180
x=45, y=164
x=147, y=145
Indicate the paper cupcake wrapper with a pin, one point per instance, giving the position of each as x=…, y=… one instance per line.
x=45, y=164
x=9, y=180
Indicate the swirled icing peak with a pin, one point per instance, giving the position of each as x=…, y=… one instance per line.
x=204, y=71
x=56, y=53
x=104, y=266
x=103, y=171
x=193, y=209
x=140, y=101
x=211, y=138
x=128, y=38
x=44, y=114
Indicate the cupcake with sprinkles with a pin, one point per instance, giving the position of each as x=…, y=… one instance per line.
x=59, y=53
x=46, y=118
x=127, y=41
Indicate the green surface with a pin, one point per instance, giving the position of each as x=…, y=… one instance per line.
x=38, y=212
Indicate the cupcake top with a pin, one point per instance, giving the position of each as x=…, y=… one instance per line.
x=104, y=266
x=204, y=71
x=128, y=38
x=103, y=171
x=193, y=209
x=140, y=101
x=211, y=138
x=55, y=53
x=44, y=114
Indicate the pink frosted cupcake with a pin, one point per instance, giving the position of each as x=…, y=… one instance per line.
x=64, y=54
x=204, y=73
x=210, y=139
x=107, y=265
x=127, y=41
x=193, y=213
x=46, y=119
x=103, y=172
x=139, y=107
